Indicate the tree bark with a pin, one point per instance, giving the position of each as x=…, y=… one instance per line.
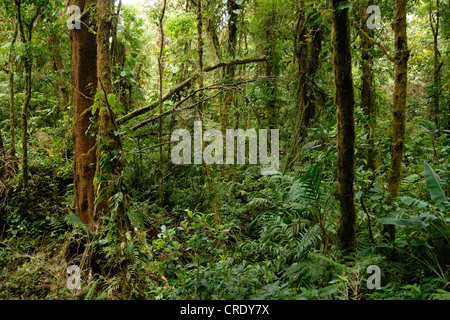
x=160, y=129
x=345, y=101
x=199, y=107
x=58, y=66
x=109, y=157
x=229, y=71
x=397, y=148
x=11, y=95
x=84, y=82
x=368, y=106
x=26, y=35
x=434, y=24
x=300, y=46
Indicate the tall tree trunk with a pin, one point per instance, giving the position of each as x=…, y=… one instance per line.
x=109, y=156
x=26, y=35
x=367, y=102
x=199, y=111
x=313, y=67
x=160, y=129
x=399, y=105
x=448, y=70
x=434, y=24
x=272, y=71
x=54, y=47
x=345, y=101
x=12, y=125
x=24, y=120
x=300, y=46
x=229, y=71
x=84, y=83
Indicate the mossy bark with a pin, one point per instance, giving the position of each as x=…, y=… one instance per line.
x=84, y=82
x=12, y=125
x=345, y=101
x=397, y=148
x=229, y=71
x=300, y=47
x=109, y=157
x=367, y=103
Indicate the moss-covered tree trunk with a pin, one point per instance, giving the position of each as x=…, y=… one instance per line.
x=229, y=71
x=345, y=101
x=397, y=148
x=84, y=83
x=26, y=29
x=435, y=24
x=109, y=148
x=12, y=124
x=199, y=111
x=367, y=101
x=301, y=51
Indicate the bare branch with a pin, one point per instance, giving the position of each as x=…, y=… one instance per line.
x=183, y=84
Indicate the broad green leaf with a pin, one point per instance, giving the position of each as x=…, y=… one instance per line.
x=94, y=107
x=434, y=185
x=413, y=222
x=414, y=202
x=112, y=99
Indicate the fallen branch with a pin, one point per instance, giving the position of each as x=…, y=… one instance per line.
x=143, y=123
x=183, y=84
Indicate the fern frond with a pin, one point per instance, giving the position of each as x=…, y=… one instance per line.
x=73, y=220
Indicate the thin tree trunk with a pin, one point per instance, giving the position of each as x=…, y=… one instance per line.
x=434, y=24
x=272, y=72
x=84, y=82
x=59, y=69
x=301, y=46
x=367, y=103
x=399, y=105
x=199, y=111
x=11, y=95
x=313, y=67
x=109, y=156
x=24, y=121
x=229, y=71
x=160, y=129
x=26, y=37
x=345, y=101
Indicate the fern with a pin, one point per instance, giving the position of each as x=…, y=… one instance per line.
x=73, y=220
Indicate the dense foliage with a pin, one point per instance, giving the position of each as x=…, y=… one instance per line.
x=272, y=237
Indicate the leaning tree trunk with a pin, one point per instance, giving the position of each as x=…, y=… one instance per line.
x=84, y=82
x=345, y=101
x=399, y=105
